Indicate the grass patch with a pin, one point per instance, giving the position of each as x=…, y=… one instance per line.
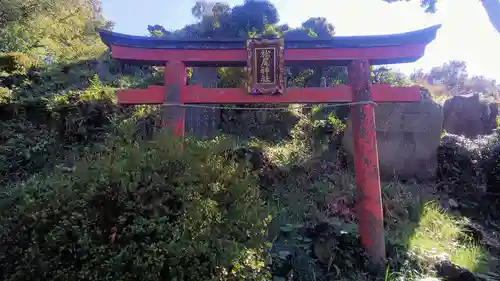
x=438, y=233
x=471, y=256
x=314, y=192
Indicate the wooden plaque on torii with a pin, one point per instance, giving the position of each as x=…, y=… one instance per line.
x=265, y=66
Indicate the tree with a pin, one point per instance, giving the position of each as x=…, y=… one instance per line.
x=62, y=30
x=320, y=26
x=418, y=75
x=481, y=84
x=452, y=79
x=157, y=30
x=218, y=19
x=384, y=75
x=492, y=8
x=253, y=15
x=213, y=18
x=452, y=75
x=203, y=8
x=21, y=10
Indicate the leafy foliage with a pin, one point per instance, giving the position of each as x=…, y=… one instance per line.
x=5, y=95
x=37, y=134
x=15, y=62
x=384, y=75
x=465, y=164
x=137, y=210
x=60, y=32
x=320, y=26
x=254, y=15
x=17, y=10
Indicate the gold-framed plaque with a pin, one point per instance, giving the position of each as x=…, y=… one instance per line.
x=266, y=63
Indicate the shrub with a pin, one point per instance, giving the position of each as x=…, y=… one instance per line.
x=5, y=95
x=86, y=116
x=15, y=62
x=137, y=211
x=25, y=148
x=465, y=164
x=490, y=164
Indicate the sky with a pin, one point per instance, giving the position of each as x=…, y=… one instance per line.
x=466, y=33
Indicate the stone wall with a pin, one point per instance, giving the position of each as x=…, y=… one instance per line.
x=202, y=122
x=408, y=135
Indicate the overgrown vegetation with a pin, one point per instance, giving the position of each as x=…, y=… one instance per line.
x=92, y=190
x=138, y=210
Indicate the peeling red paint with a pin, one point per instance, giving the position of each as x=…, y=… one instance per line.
x=368, y=193
x=195, y=57
x=196, y=94
x=179, y=127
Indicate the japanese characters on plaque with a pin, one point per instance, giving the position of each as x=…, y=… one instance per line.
x=266, y=66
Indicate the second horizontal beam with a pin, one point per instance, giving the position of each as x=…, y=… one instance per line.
x=337, y=94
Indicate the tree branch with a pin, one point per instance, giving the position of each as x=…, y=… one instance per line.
x=60, y=20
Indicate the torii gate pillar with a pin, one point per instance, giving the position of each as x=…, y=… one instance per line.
x=368, y=193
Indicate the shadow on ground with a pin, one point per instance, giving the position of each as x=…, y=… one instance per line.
x=315, y=237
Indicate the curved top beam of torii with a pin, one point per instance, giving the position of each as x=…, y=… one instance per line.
x=378, y=49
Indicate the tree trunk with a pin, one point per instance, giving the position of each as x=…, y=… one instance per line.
x=492, y=8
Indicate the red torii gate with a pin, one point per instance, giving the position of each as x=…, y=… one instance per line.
x=358, y=53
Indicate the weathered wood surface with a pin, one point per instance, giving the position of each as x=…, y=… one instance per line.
x=368, y=194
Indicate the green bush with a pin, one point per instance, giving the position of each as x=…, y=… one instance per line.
x=25, y=148
x=15, y=62
x=137, y=211
x=5, y=95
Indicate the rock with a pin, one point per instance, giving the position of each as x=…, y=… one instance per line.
x=492, y=123
x=448, y=271
x=266, y=125
x=473, y=231
x=145, y=128
x=491, y=168
x=203, y=122
x=470, y=116
x=482, y=235
x=464, y=162
x=408, y=135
